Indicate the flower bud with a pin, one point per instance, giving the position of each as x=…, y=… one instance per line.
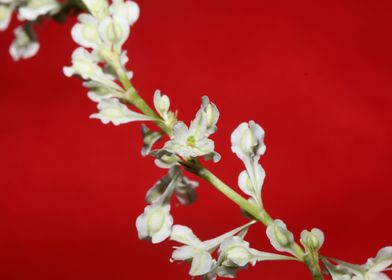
x=247, y=141
x=155, y=223
x=280, y=237
x=313, y=240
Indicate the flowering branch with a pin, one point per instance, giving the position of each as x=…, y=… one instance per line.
x=100, y=62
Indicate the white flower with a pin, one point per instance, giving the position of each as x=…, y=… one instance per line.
x=235, y=252
x=280, y=237
x=98, y=8
x=312, y=240
x=5, y=16
x=199, y=252
x=184, y=188
x=247, y=141
x=161, y=103
x=85, y=32
x=162, y=106
x=128, y=10
x=35, y=8
x=24, y=45
x=155, y=223
x=85, y=65
x=212, y=114
x=114, y=32
x=111, y=110
x=190, y=142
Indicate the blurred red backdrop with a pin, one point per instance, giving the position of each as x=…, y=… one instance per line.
x=315, y=74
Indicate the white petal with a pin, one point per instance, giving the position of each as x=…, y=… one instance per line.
x=180, y=132
x=215, y=242
x=247, y=141
x=36, y=8
x=201, y=264
x=184, y=235
x=127, y=10
x=184, y=253
x=161, y=104
x=111, y=110
x=85, y=33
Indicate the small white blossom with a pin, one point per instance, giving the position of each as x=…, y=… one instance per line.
x=127, y=10
x=114, y=32
x=5, y=16
x=111, y=110
x=35, y=8
x=155, y=223
x=235, y=252
x=85, y=32
x=161, y=104
x=98, y=8
x=24, y=45
x=312, y=240
x=212, y=114
x=192, y=141
x=196, y=251
x=85, y=65
x=280, y=237
x=247, y=141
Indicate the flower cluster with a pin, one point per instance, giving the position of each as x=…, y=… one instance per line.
x=100, y=62
x=25, y=44
x=234, y=252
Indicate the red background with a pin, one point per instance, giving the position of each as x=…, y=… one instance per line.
x=315, y=74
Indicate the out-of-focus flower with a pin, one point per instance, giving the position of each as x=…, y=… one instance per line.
x=35, y=8
x=184, y=188
x=149, y=139
x=5, y=16
x=24, y=45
